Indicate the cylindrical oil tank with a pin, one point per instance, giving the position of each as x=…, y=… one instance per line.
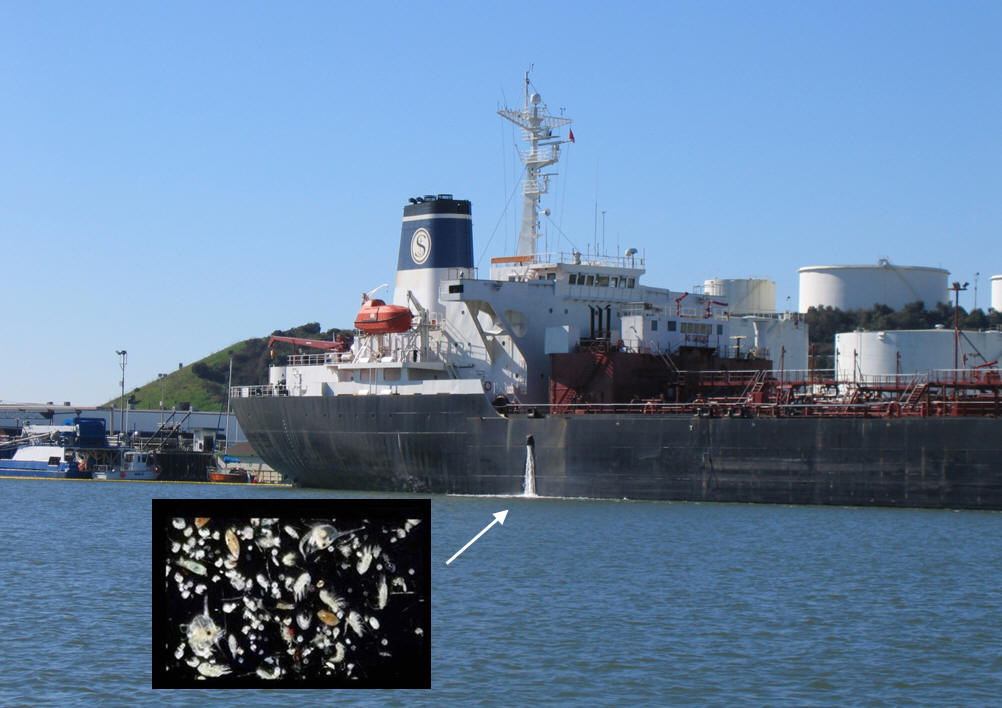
x=744, y=296
x=997, y=293
x=860, y=356
x=854, y=287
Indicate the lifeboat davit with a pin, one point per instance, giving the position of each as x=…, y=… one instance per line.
x=376, y=317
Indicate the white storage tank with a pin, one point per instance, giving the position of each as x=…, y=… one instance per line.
x=744, y=296
x=997, y=293
x=854, y=287
x=859, y=356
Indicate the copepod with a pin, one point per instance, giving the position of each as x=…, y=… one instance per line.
x=201, y=521
x=364, y=559
x=355, y=622
x=203, y=633
x=291, y=531
x=303, y=619
x=382, y=593
x=337, y=604
x=319, y=537
x=300, y=586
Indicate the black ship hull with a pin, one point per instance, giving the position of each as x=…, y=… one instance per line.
x=459, y=444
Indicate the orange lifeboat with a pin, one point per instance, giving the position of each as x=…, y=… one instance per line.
x=376, y=317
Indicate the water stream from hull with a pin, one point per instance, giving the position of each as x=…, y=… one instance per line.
x=529, y=484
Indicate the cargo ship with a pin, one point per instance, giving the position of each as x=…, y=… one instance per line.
x=563, y=374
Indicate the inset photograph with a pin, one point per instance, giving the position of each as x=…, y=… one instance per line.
x=292, y=593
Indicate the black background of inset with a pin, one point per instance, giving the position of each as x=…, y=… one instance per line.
x=414, y=673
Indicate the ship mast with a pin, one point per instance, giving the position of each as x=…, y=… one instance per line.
x=544, y=150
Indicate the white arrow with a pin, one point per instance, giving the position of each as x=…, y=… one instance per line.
x=499, y=518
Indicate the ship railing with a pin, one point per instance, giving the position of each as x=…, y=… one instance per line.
x=258, y=391
x=317, y=359
x=572, y=258
x=735, y=407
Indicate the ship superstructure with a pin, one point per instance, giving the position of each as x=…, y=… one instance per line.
x=496, y=334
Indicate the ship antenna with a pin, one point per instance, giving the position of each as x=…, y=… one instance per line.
x=544, y=150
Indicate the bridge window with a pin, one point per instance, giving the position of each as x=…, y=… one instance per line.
x=602, y=281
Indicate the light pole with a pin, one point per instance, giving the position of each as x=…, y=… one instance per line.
x=122, y=359
x=163, y=395
x=956, y=288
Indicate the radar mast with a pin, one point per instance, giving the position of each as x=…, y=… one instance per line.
x=544, y=150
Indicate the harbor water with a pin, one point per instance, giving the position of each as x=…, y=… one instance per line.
x=570, y=602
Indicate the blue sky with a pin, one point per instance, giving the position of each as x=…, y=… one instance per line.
x=175, y=177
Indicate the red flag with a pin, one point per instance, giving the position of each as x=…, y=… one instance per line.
x=572, y=135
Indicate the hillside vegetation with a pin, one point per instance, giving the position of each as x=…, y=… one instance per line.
x=824, y=323
x=202, y=384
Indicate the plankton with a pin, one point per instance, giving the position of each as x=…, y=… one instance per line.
x=337, y=604
x=328, y=618
x=300, y=586
x=213, y=670
x=191, y=565
x=203, y=633
x=233, y=543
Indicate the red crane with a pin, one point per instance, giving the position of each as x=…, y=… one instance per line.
x=340, y=343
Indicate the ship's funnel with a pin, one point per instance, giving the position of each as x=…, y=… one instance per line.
x=436, y=244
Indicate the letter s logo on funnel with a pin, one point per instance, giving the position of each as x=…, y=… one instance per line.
x=420, y=246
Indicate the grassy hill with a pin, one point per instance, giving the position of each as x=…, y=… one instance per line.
x=202, y=384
